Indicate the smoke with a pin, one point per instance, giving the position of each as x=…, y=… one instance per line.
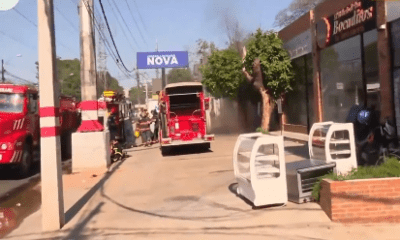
x=223, y=17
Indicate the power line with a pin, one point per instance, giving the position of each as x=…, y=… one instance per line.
x=140, y=16
x=19, y=78
x=108, y=47
x=72, y=25
x=136, y=23
x=112, y=38
x=22, y=15
x=15, y=39
x=34, y=24
x=123, y=29
x=107, y=44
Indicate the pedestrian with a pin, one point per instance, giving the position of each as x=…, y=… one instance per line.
x=156, y=125
x=145, y=122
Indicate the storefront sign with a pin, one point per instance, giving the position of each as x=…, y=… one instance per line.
x=299, y=45
x=177, y=59
x=356, y=18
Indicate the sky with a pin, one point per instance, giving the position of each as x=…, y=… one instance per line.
x=174, y=24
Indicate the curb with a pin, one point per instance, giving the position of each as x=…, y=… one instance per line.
x=35, y=179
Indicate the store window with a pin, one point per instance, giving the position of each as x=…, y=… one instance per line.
x=371, y=69
x=298, y=107
x=341, y=79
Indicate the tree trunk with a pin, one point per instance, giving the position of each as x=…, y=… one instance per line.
x=268, y=107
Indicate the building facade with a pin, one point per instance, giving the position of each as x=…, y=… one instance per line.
x=344, y=52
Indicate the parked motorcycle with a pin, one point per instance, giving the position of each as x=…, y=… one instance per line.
x=374, y=141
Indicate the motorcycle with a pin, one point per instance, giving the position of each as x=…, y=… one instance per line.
x=374, y=141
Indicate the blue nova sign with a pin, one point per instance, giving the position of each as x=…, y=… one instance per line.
x=146, y=60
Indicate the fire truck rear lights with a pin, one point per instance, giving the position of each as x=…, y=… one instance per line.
x=209, y=138
x=1, y=157
x=166, y=141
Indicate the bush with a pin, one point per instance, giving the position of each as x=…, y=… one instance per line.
x=391, y=168
x=262, y=130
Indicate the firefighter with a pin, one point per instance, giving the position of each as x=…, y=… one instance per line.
x=145, y=122
x=155, y=118
x=112, y=124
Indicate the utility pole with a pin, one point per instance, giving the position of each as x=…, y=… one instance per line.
x=91, y=145
x=146, y=93
x=2, y=71
x=138, y=85
x=53, y=217
x=102, y=56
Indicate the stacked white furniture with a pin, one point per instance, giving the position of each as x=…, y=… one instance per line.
x=259, y=166
x=333, y=142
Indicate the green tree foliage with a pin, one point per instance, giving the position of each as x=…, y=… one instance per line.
x=68, y=73
x=69, y=77
x=275, y=62
x=222, y=74
x=135, y=92
x=179, y=75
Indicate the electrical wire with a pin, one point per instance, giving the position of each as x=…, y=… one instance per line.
x=127, y=38
x=16, y=40
x=140, y=16
x=70, y=23
x=19, y=78
x=34, y=24
x=108, y=46
x=22, y=15
x=136, y=23
x=112, y=38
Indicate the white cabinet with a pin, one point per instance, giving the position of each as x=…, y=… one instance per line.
x=333, y=142
x=260, y=170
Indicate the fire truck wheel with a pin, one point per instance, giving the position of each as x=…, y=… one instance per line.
x=26, y=162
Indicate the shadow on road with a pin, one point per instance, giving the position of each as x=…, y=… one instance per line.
x=186, y=150
x=81, y=202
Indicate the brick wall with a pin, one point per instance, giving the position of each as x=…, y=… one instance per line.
x=366, y=200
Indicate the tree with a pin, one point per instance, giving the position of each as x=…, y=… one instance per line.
x=68, y=73
x=134, y=92
x=295, y=10
x=268, y=68
x=179, y=75
x=222, y=74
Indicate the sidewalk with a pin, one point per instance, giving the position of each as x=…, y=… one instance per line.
x=184, y=197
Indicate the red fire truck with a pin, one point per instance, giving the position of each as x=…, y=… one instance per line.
x=183, y=116
x=20, y=125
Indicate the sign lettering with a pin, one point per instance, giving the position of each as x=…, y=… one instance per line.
x=162, y=60
x=354, y=19
x=6, y=90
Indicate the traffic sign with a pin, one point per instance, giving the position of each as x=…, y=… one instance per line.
x=108, y=93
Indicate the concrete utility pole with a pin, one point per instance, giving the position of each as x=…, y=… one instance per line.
x=147, y=94
x=164, y=78
x=2, y=71
x=53, y=217
x=138, y=85
x=91, y=144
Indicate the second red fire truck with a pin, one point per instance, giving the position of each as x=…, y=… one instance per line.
x=183, y=116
